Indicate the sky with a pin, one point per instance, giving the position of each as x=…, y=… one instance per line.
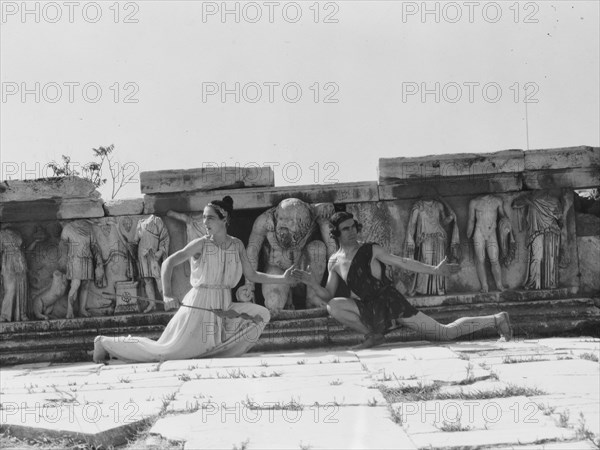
x=317, y=90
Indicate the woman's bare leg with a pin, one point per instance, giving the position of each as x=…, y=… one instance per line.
x=431, y=329
x=100, y=353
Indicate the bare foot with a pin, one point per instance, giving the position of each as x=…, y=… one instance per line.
x=84, y=313
x=371, y=340
x=70, y=314
x=100, y=353
x=484, y=289
x=24, y=318
x=150, y=308
x=4, y=319
x=503, y=326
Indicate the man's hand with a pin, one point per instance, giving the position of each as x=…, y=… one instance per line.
x=245, y=293
x=289, y=276
x=304, y=276
x=445, y=268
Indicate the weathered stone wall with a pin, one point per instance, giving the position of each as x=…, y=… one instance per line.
x=41, y=207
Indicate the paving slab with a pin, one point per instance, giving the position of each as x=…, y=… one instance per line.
x=485, y=387
x=487, y=438
x=265, y=360
x=97, y=423
x=359, y=427
x=455, y=415
x=578, y=412
x=570, y=445
x=275, y=391
x=105, y=404
x=575, y=376
x=447, y=370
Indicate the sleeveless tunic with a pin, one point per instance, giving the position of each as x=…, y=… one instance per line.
x=379, y=301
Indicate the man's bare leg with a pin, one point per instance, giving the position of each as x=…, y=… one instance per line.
x=316, y=256
x=345, y=311
x=431, y=329
x=492, y=249
x=72, y=297
x=479, y=245
x=83, y=296
x=150, y=293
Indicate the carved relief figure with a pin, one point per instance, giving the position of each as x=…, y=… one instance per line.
x=84, y=263
x=285, y=231
x=426, y=241
x=14, y=277
x=483, y=227
x=43, y=303
x=153, y=245
x=542, y=214
x=193, y=224
x=115, y=239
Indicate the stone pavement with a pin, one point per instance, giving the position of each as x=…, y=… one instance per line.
x=469, y=394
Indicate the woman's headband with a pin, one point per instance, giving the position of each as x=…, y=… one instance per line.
x=219, y=209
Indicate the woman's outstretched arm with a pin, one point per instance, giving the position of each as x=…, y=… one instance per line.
x=260, y=277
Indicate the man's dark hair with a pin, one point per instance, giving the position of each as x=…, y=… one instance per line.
x=337, y=219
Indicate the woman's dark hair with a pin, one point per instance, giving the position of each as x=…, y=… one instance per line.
x=339, y=217
x=223, y=208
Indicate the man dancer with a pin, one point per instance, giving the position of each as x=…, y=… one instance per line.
x=375, y=303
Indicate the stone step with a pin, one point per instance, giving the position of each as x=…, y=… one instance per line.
x=128, y=320
x=164, y=317
x=299, y=324
x=540, y=309
x=81, y=350
x=494, y=297
x=58, y=340
x=53, y=339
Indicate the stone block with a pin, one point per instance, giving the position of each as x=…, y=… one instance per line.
x=258, y=198
x=206, y=178
x=475, y=185
x=577, y=178
x=51, y=209
x=448, y=166
x=46, y=188
x=589, y=262
x=587, y=224
x=562, y=158
x=124, y=207
x=376, y=219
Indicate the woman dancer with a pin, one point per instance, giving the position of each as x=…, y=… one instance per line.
x=217, y=262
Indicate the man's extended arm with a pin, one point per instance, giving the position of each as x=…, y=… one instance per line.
x=414, y=266
x=325, y=293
